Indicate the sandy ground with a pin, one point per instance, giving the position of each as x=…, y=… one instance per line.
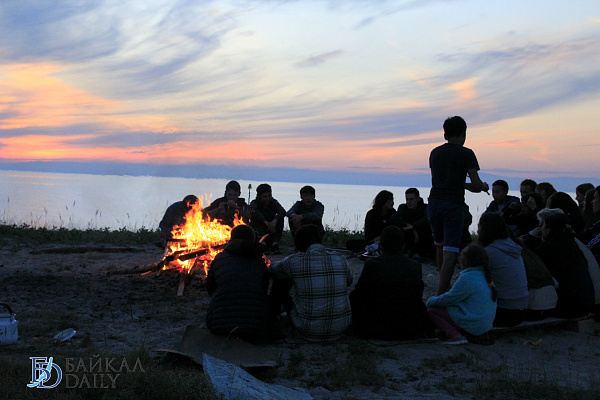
x=119, y=313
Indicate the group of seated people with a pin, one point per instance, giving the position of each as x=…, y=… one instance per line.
x=265, y=214
x=311, y=286
x=543, y=251
x=536, y=256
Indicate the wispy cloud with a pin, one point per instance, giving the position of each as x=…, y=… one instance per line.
x=319, y=59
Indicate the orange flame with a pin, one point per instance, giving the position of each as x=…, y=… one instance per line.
x=197, y=233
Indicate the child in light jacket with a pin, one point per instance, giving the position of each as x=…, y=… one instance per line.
x=470, y=306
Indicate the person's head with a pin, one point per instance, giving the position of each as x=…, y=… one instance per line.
x=391, y=240
x=455, y=129
x=500, y=191
x=564, y=202
x=527, y=186
x=243, y=232
x=190, y=200
x=383, y=199
x=232, y=190
x=306, y=236
x=545, y=213
x=491, y=227
x=412, y=198
x=307, y=194
x=545, y=189
x=264, y=194
x=554, y=225
x=475, y=256
x=525, y=207
x=580, y=192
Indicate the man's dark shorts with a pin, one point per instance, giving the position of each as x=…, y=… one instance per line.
x=446, y=219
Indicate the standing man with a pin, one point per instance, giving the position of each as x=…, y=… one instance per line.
x=450, y=164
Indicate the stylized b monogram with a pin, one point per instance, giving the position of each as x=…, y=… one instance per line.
x=41, y=370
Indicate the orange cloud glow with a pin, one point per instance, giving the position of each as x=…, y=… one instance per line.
x=33, y=96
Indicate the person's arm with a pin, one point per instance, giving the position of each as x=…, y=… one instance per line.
x=211, y=283
x=280, y=269
x=317, y=214
x=280, y=211
x=476, y=185
x=293, y=210
x=257, y=216
x=458, y=293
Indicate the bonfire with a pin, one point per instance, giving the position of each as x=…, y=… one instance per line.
x=196, y=243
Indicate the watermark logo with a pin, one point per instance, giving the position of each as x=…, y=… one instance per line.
x=94, y=372
x=41, y=373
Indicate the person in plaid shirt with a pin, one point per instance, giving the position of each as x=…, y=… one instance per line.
x=313, y=287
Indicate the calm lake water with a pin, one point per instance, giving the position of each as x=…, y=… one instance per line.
x=110, y=201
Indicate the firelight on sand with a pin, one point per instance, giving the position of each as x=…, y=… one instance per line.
x=196, y=234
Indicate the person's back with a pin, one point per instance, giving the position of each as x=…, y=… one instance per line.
x=175, y=215
x=320, y=310
x=568, y=266
x=237, y=282
x=387, y=299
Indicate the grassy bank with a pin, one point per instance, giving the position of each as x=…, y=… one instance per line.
x=26, y=235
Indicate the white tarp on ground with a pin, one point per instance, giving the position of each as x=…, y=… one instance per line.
x=235, y=383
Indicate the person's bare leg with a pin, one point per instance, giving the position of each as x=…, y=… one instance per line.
x=439, y=257
x=446, y=271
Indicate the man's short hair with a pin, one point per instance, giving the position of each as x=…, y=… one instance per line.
x=263, y=188
x=244, y=232
x=233, y=185
x=392, y=239
x=305, y=236
x=529, y=182
x=501, y=183
x=454, y=126
x=414, y=191
x=308, y=190
x=190, y=198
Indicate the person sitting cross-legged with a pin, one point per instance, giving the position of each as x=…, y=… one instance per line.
x=307, y=211
x=312, y=285
x=387, y=302
x=412, y=219
x=267, y=217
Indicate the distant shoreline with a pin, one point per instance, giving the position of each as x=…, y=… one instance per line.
x=420, y=178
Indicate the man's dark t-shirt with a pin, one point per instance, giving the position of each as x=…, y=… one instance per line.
x=449, y=164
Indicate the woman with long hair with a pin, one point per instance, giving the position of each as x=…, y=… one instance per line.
x=377, y=218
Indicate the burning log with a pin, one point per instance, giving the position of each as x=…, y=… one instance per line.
x=185, y=256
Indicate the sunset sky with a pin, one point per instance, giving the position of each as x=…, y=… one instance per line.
x=349, y=86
